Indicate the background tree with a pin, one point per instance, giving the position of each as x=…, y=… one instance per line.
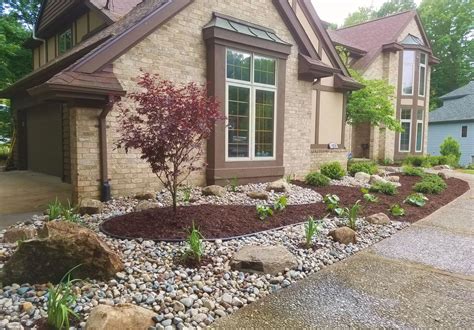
x=362, y=14
x=168, y=127
x=394, y=6
x=24, y=11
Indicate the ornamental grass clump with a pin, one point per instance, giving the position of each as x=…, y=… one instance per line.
x=56, y=210
x=317, y=179
x=386, y=188
x=430, y=184
x=366, y=167
x=351, y=214
x=195, y=248
x=311, y=228
x=333, y=170
x=412, y=171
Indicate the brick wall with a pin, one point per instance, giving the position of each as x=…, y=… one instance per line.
x=321, y=156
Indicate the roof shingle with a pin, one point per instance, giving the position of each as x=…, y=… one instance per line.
x=458, y=106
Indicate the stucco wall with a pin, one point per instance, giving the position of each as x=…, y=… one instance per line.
x=438, y=132
x=330, y=118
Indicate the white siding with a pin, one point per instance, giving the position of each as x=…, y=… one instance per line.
x=438, y=132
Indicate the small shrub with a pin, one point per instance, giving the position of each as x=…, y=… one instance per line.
x=366, y=167
x=289, y=178
x=69, y=213
x=397, y=210
x=186, y=191
x=234, y=183
x=331, y=201
x=281, y=203
x=450, y=147
x=352, y=213
x=370, y=198
x=416, y=161
x=333, y=170
x=264, y=211
x=54, y=210
x=430, y=184
x=317, y=179
x=386, y=188
x=386, y=161
x=412, y=171
x=470, y=166
x=195, y=245
x=310, y=229
x=416, y=199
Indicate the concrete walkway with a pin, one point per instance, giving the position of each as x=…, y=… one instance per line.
x=419, y=278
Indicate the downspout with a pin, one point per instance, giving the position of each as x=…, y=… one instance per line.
x=44, y=44
x=104, y=173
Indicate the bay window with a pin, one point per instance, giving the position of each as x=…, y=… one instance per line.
x=408, y=73
x=405, y=136
x=250, y=106
x=419, y=130
x=422, y=80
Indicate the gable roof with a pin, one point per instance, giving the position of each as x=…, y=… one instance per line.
x=458, y=106
x=372, y=35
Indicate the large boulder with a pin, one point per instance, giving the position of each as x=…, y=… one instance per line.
x=90, y=206
x=146, y=205
x=59, y=247
x=362, y=177
x=378, y=219
x=262, y=195
x=263, y=259
x=343, y=235
x=278, y=186
x=213, y=190
x=393, y=178
x=377, y=179
x=122, y=316
x=13, y=235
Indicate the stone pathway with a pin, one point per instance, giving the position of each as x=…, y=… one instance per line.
x=420, y=277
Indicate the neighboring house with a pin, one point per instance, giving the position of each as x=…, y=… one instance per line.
x=259, y=53
x=394, y=48
x=455, y=118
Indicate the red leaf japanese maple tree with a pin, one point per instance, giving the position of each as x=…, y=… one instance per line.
x=168, y=126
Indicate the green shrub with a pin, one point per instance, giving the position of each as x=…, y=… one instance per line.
x=397, y=210
x=4, y=151
x=195, y=245
x=386, y=161
x=450, y=147
x=352, y=213
x=264, y=211
x=412, y=171
x=317, y=179
x=233, y=183
x=366, y=167
x=416, y=199
x=281, y=203
x=416, y=161
x=430, y=184
x=310, y=229
x=331, y=201
x=386, y=188
x=470, y=166
x=370, y=198
x=56, y=210
x=333, y=170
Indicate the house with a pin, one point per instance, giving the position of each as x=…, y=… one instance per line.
x=273, y=52
x=456, y=119
x=394, y=48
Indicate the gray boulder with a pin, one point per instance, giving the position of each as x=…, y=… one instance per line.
x=278, y=186
x=377, y=179
x=362, y=177
x=263, y=259
x=90, y=206
x=145, y=205
x=122, y=316
x=343, y=235
x=13, y=235
x=262, y=195
x=213, y=190
x=378, y=219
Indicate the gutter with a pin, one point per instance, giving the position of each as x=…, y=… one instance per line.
x=104, y=172
x=44, y=46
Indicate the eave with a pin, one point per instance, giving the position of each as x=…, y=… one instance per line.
x=310, y=69
x=344, y=83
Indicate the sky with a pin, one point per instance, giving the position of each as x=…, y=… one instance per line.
x=335, y=11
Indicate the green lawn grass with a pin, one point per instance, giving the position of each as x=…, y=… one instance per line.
x=466, y=171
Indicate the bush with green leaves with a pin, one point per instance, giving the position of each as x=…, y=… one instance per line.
x=56, y=210
x=332, y=202
x=416, y=161
x=195, y=248
x=470, y=166
x=397, y=210
x=317, y=179
x=264, y=211
x=234, y=183
x=61, y=298
x=413, y=171
x=370, y=198
x=430, y=184
x=281, y=203
x=386, y=188
x=333, y=170
x=366, y=167
x=311, y=228
x=416, y=199
x=450, y=147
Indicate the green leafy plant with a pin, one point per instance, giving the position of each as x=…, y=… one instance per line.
x=430, y=184
x=54, y=209
x=332, y=202
x=366, y=167
x=370, y=198
x=264, y=211
x=416, y=161
x=195, y=248
x=450, y=147
x=416, y=199
x=60, y=299
x=289, y=178
x=186, y=191
x=413, y=171
x=281, y=203
x=351, y=214
x=311, y=228
x=234, y=183
x=386, y=161
x=69, y=213
x=317, y=179
x=397, y=210
x=386, y=188
x=333, y=170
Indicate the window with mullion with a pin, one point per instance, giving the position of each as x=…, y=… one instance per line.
x=419, y=130
x=405, y=136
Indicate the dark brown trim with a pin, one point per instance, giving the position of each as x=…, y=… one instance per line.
x=118, y=45
x=47, y=91
x=392, y=47
x=88, y=22
x=101, y=14
x=354, y=52
x=343, y=83
x=75, y=41
x=418, y=47
x=310, y=69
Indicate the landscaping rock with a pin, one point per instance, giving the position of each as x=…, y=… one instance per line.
x=441, y=167
x=59, y=247
x=377, y=178
x=262, y=195
x=443, y=175
x=263, y=259
x=378, y=219
x=392, y=169
x=362, y=176
x=278, y=186
x=145, y=196
x=343, y=235
x=393, y=178
x=13, y=235
x=214, y=190
x=124, y=316
x=145, y=205
x=90, y=206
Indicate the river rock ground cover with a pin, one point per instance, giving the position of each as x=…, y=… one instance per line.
x=183, y=297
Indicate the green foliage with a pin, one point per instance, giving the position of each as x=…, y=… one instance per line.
x=372, y=104
x=317, y=179
x=234, y=183
x=386, y=188
x=4, y=151
x=364, y=14
x=289, y=178
x=386, y=161
x=195, y=245
x=186, y=193
x=416, y=199
x=470, y=166
x=430, y=184
x=60, y=300
x=413, y=171
x=310, y=229
x=366, y=167
x=397, y=210
x=331, y=201
x=56, y=210
x=264, y=211
x=281, y=203
x=450, y=147
x=352, y=213
x=333, y=170
x=416, y=161
x=370, y=198
x=24, y=11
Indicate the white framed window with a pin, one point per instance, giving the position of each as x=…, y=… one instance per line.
x=422, y=80
x=408, y=73
x=251, y=94
x=419, y=130
x=405, y=136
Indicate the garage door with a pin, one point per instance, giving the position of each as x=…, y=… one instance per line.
x=44, y=140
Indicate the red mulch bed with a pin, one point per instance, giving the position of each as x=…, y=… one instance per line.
x=225, y=221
